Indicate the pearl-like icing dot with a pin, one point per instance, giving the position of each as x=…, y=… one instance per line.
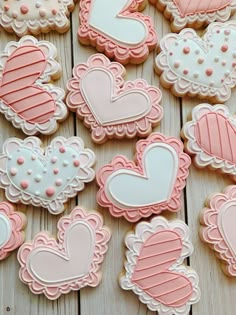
x=6, y=7
x=54, y=159
x=76, y=163
x=38, y=178
x=216, y=59
x=224, y=48
x=24, y=9
x=62, y=149
x=196, y=75
x=65, y=163
x=223, y=63
x=186, y=50
x=37, y=193
x=197, y=52
x=20, y=160
x=42, y=12
x=33, y=157
x=13, y=171
x=227, y=32
x=14, y=14
x=234, y=54
x=50, y=191
x=58, y=182
x=24, y=184
x=56, y=171
x=185, y=71
x=54, y=11
x=200, y=60
x=38, y=4
x=29, y=172
x=233, y=64
x=209, y=72
x=176, y=64
x=45, y=170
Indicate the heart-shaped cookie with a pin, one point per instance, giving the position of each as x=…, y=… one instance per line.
x=104, y=24
x=111, y=107
x=202, y=67
x=159, y=173
x=154, y=267
x=26, y=97
x=25, y=17
x=56, y=268
x=218, y=228
x=184, y=13
x=47, y=180
x=210, y=137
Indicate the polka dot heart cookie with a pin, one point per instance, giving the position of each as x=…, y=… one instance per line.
x=35, y=16
x=47, y=179
x=205, y=67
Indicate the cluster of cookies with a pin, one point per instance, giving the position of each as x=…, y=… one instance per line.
x=112, y=107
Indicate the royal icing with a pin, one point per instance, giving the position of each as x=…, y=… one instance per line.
x=218, y=228
x=111, y=107
x=27, y=100
x=12, y=226
x=45, y=179
x=35, y=16
x=104, y=24
x=210, y=136
x=56, y=267
x=159, y=173
x=202, y=67
x=154, y=268
x=184, y=13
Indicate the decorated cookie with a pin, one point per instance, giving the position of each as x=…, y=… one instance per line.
x=218, y=228
x=195, y=13
x=210, y=138
x=154, y=268
x=27, y=100
x=109, y=106
x=47, y=179
x=57, y=267
x=117, y=29
x=12, y=226
x=35, y=16
x=199, y=67
x=149, y=185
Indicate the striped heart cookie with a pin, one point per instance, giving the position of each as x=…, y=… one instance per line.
x=154, y=268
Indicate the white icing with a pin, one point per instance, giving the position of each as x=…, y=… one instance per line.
x=5, y=230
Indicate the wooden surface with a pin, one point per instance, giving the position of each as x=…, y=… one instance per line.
x=218, y=291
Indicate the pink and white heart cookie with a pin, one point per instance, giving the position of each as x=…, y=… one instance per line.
x=12, y=224
x=35, y=16
x=218, y=228
x=47, y=179
x=27, y=99
x=111, y=107
x=104, y=25
x=154, y=268
x=149, y=185
x=210, y=137
x=57, y=267
x=205, y=67
x=195, y=13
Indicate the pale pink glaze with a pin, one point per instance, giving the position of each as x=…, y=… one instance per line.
x=111, y=107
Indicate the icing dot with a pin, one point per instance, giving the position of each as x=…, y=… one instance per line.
x=227, y=32
x=38, y=178
x=209, y=72
x=38, y=4
x=6, y=7
x=14, y=14
x=171, y=53
x=56, y=171
x=234, y=54
x=186, y=50
x=54, y=159
x=177, y=64
x=54, y=11
x=24, y=9
x=196, y=75
x=45, y=170
x=227, y=73
x=13, y=171
x=58, y=182
x=233, y=64
x=212, y=83
x=185, y=71
x=218, y=31
x=62, y=149
x=65, y=163
x=20, y=160
x=24, y=184
x=50, y=191
x=42, y=12
x=224, y=48
x=68, y=179
x=29, y=172
x=197, y=52
x=223, y=63
x=216, y=59
x=33, y=157
x=200, y=60
x=76, y=163
x=37, y=193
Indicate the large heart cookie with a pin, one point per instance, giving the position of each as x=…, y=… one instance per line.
x=184, y=13
x=210, y=136
x=47, y=180
x=203, y=67
x=218, y=228
x=104, y=24
x=26, y=97
x=154, y=268
x=24, y=17
x=56, y=268
x=111, y=107
x=159, y=173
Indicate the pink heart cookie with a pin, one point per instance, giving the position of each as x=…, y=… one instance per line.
x=195, y=13
x=150, y=185
x=33, y=17
x=205, y=67
x=12, y=226
x=210, y=138
x=104, y=25
x=218, y=228
x=111, y=107
x=57, y=267
x=47, y=179
x=27, y=99
x=154, y=268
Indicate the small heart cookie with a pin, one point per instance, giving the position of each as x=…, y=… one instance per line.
x=104, y=25
x=47, y=179
x=205, y=67
x=195, y=13
x=57, y=267
x=150, y=185
x=12, y=224
x=218, y=228
x=33, y=17
x=111, y=107
x=154, y=268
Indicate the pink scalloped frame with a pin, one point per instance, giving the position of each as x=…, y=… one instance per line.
x=121, y=53
x=100, y=133
x=121, y=162
x=43, y=239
